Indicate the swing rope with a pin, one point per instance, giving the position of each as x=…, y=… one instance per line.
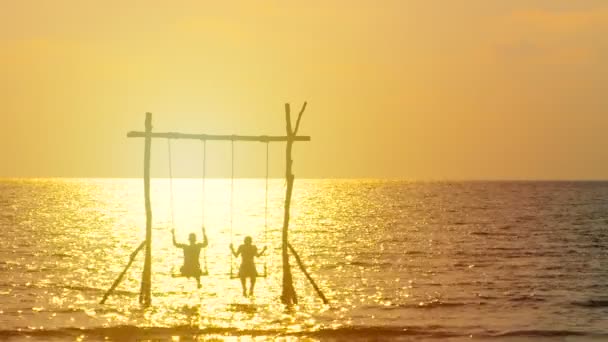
x=204, y=178
x=206, y=270
x=231, y=204
x=266, y=212
x=171, y=185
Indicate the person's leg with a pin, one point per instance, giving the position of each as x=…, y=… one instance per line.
x=252, y=286
x=244, y=285
x=198, y=282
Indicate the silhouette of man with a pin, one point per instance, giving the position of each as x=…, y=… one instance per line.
x=192, y=251
x=248, y=252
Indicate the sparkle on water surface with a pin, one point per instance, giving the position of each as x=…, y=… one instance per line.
x=448, y=258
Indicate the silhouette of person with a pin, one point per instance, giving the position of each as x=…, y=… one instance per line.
x=248, y=252
x=192, y=251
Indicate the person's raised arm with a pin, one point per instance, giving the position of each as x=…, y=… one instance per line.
x=173, y=237
x=259, y=254
x=205, y=240
x=235, y=253
x=175, y=242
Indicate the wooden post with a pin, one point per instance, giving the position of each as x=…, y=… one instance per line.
x=145, y=296
x=288, y=297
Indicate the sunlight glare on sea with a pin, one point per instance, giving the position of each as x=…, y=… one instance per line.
x=395, y=258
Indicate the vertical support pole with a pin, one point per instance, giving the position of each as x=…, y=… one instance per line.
x=288, y=297
x=145, y=297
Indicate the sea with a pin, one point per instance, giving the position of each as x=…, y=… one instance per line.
x=397, y=260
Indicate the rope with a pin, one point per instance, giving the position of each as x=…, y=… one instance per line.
x=171, y=184
x=231, y=202
x=266, y=212
x=231, y=185
x=204, y=178
x=266, y=198
x=171, y=207
x=206, y=271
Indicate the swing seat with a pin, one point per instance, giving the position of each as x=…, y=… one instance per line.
x=235, y=275
x=179, y=274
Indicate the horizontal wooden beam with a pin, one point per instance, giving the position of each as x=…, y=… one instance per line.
x=260, y=138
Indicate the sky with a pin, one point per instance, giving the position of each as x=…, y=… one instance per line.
x=421, y=90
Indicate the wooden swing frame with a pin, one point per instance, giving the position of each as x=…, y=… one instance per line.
x=288, y=295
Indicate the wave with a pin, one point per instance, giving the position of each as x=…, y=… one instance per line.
x=369, y=264
x=19, y=311
x=85, y=289
x=426, y=305
x=486, y=297
x=88, y=289
x=61, y=255
x=364, y=264
x=545, y=333
x=593, y=303
x=438, y=304
x=527, y=298
x=362, y=333
x=493, y=233
x=481, y=233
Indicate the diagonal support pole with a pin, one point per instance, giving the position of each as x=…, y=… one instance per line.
x=295, y=131
x=312, y=282
x=122, y=274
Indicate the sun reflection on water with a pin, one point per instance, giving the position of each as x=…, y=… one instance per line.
x=387, y=254
x=219, y=304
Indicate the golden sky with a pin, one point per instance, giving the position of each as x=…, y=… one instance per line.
x=428, y=89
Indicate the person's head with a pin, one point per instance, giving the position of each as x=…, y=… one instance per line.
x=248, y=240
x=192, y=238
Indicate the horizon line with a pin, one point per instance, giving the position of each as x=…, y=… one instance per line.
x=401, y=179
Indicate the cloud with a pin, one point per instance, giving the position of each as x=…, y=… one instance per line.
x=552, y=37
x=561, y=22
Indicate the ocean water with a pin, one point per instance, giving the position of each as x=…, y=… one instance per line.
x=503, y=261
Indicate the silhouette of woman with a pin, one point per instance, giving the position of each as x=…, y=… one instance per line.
x=248, y=252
